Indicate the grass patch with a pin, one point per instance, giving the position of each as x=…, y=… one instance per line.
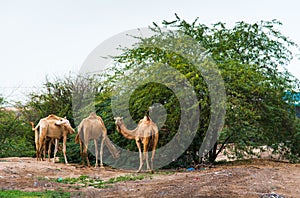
x=22, y=194
x=125, y=178
x=166, y=172
x=84, y=180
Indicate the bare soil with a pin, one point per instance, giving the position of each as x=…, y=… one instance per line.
x=250, y=178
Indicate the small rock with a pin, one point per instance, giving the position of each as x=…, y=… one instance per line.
x=48, y=185
x=272, y=195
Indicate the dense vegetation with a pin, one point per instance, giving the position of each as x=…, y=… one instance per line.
x=16, y=137
x=250, y=58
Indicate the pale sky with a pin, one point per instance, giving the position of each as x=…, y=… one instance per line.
x=53, y=38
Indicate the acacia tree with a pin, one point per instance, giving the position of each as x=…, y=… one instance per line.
x=54, y=98
x=249, y=57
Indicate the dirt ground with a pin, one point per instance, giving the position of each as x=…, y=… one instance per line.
x=255, y=178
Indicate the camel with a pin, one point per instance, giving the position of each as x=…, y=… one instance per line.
x=93, y=127
x=146, y=133
x=52, y=127
x=50, y=142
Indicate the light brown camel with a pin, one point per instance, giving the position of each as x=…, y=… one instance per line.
x=47, y=139
x=90, y=128
x=146, y=133
x=52, y=127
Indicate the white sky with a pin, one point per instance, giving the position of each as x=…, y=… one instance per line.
x=53, y=38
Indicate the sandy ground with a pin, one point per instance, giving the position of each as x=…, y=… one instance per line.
x=255, y=178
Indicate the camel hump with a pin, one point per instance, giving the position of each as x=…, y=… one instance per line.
x=52, y=116
x=147, y=118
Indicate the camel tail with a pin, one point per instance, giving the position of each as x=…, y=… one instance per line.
x=111, y=147
x=79, y=137
x=32, y=126
x=35, y=129
x=36, y=138
x=151, y=140
x=152, y=137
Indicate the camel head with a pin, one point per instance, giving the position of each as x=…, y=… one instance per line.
x=119, y=122
x=65, y=123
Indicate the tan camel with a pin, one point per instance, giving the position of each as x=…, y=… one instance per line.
x=146, y=133
x=52, y=127
x=90, y=128
x=47, y=139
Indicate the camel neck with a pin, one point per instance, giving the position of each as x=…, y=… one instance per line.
x=129, y=134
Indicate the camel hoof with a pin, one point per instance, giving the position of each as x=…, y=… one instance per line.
x=151, y=171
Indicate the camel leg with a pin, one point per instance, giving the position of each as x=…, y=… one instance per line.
x=40, y=148
x=44, y=150
x=65, y=148
x=55, y=150
x=85, y=154
x=152, y=158
x=37, y=151
x=37, y=145
x=146, y=153
x=101, y=152
x=96, y=152
x=81, y=153
x=49, y=149
x=153, y=150
x=140, y=155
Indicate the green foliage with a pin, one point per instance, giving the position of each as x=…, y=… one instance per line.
x=20, y=194
x=15, y=134
x=54, y=98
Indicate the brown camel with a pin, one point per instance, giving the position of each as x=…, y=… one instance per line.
x=47, y=139
x=146, y=133
x=93, y=127
x=37, y=137
x=52, y=127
